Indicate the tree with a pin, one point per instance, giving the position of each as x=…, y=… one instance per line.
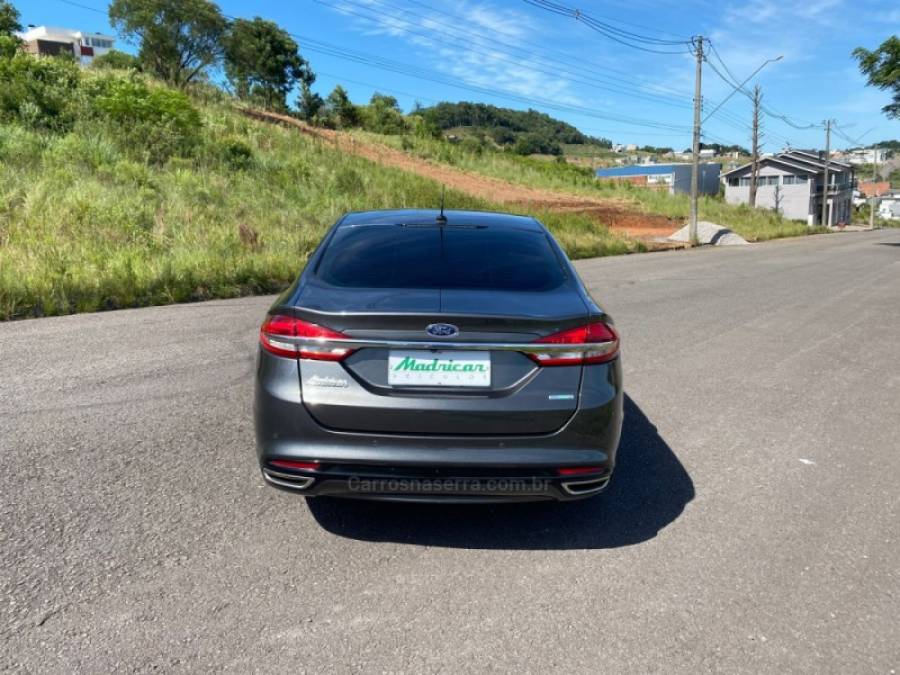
x=654, y=150
x=882, y=67
x=178, y=39
x=116, y=60
x=383, y=115
x=309, y=104
x=341, y=109
x=262, y=62
x=9, y=19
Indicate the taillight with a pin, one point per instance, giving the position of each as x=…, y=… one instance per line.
x=295, y=465
x=287, y=326
x=601, y=334
x=579, y=470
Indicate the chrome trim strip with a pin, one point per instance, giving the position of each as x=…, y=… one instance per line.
x=568, y=485
x=528, y=347
x=295, y=483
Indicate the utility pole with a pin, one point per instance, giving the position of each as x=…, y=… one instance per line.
x=825, y=182
x=695, y=172
x=754, y=171
x=874, y=201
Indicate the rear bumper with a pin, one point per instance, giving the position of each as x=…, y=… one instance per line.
x=436, y=468
x=425, y=484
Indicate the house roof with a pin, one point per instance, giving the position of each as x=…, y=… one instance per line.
x=645, y=169
x=57, y=33
x=636, y=170
x=798, y=166
x=812, y=158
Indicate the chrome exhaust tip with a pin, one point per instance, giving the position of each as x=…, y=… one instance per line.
x=288, y=480
x=580, y=488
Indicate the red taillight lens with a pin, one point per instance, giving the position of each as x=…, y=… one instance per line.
x=601, y=334
x=579, y=470
x=280, y=325
x=294, y=464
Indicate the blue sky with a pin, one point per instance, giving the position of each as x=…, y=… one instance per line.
x=513, y=54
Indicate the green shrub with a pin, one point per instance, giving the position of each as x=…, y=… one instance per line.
x=236, y=154
x=152, y=122
x=38, y=92
x=116, y=60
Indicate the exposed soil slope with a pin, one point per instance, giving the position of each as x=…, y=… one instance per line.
x=619, y=216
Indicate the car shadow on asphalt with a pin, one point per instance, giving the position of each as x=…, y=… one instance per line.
x=649, y=490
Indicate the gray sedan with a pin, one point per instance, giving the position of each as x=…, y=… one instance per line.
x=424, y=356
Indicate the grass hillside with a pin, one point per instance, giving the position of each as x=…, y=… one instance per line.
x=119, y=192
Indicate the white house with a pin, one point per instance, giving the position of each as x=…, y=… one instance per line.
x=792, y=183
x=867, y=156
x=50, y=41
x=889, y=206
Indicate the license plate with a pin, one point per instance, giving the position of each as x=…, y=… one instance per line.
x=448, y=368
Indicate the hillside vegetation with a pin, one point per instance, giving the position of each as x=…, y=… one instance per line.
x=752, y=224
x=525, y=132
x=118, y=191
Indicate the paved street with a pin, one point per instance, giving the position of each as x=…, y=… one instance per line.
x=753, y=523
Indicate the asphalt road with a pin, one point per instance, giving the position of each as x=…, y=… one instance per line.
x=753, y=523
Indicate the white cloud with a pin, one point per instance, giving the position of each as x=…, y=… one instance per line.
x=442, y=40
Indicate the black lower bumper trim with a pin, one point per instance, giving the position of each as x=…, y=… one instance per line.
x=427, y=485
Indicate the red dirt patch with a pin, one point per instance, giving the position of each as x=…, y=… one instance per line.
x=617, y=215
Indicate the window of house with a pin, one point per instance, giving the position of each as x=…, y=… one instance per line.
x=745, y=181
x=794, y=180
x=733, y=181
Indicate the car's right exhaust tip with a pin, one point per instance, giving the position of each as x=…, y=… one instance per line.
x=582, y=488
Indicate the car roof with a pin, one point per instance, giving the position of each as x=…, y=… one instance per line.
x=429, y=216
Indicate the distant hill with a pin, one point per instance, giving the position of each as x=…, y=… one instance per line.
x=525, y=131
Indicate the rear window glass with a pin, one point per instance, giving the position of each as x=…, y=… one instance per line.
x=392, y=256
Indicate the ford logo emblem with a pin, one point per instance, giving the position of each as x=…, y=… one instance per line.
x=442, y=330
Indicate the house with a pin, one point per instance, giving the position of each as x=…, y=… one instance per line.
x=674, y=178
x=889, y=205
x=792, y=183
x=50, y=41
x=866, y=156
x=707, y=153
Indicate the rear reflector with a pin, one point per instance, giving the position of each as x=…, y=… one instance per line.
x=601, y=334
x=287, y=326
x=294, y=464
x=579, y=470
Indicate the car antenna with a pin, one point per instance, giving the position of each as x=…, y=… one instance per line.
x=441, y=217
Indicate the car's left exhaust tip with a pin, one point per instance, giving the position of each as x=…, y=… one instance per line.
x=288, y=480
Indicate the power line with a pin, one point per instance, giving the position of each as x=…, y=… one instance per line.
x=623, y=37
x=560, y=57
x=583, y=77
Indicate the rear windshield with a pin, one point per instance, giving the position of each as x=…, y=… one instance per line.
x=393, y=256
